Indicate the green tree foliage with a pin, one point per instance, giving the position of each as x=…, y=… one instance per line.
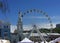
x=15, y=31
x=44, y=30
x=57, y=30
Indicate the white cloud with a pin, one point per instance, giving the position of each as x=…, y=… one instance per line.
x=32, y=17
x=55, y=17
x=46, y=25
x=42, y=17
x=13, y=27
x=28, y=27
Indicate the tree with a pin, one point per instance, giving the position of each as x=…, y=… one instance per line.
x=15, y=31
x=44, y=30
x=57, y=30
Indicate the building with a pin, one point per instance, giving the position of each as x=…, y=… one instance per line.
x=4, y=30
x=14, y=37
x=35, y=36
x=19, y=36
x=53, y=36
x=20, y=27
x=57, y=25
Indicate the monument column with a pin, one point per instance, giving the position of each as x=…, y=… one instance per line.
x=20, y=27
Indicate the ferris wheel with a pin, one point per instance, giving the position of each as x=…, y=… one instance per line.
x=42, y=13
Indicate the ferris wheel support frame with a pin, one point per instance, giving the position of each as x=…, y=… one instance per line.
x=40, y=12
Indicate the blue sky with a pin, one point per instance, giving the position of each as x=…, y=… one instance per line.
x=51, y=7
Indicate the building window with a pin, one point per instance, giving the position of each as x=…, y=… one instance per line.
x=5, y=26
x=5, y=31
x=0, y=26
x=5, y=34
x=0, y=32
